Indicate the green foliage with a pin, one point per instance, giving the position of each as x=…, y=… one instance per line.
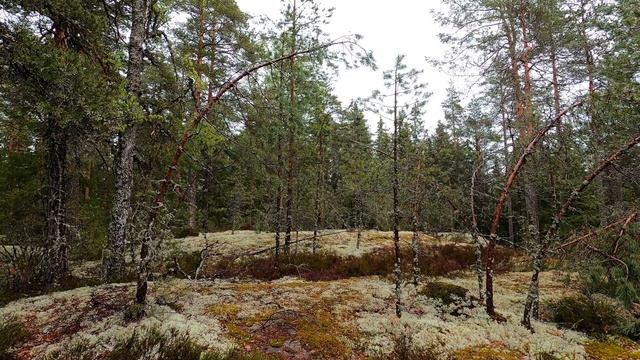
x=12, y=333
x=445, y=292
x=596, y=315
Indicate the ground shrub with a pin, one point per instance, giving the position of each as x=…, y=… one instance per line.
x=12, y=333
x=616, y=284
x=150, y=344
x=184, y=232
x=630, y=329
x=445, y=292
x=133, y=312
x=483, y=352
x=590, y=314
x=435, y=261
x=181, y=264
x=405, y=349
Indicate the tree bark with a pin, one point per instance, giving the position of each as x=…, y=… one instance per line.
x=57, y=237
x=114, y=257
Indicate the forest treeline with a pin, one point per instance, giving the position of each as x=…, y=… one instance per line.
x=124, y=123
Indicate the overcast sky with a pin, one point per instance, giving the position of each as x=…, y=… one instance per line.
x=389, y=28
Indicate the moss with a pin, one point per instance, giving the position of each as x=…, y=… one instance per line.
x=321, y=332
x=259, y=316
x=224, y=310
x=237, y=332
x=277, y=343
x=496, y=352
x=612, y=348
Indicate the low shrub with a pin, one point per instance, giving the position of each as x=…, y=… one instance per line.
x=12, y=333
x=590, y=314
x=405, y=349
x=435, y=261
x=156, y=344
x=150, y=344
x=630, y=329
x=616, y=284
x=445, y=292
x=133, y=312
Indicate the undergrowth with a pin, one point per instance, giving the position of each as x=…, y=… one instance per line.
x=324, y=266
x=12, y=333
x=151, y=344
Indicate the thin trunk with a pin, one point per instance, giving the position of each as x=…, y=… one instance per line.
x=396, y=209
x=291, y=151
x=528, y=126
x=415, y=248
x=474, y=227
x=57, y=142
x=278, y=214
x=319, y=194
x=114, y=257
x=359, y=219
x=507, y=157
x=192, y=203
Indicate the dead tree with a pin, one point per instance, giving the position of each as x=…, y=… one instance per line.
x=538, y=261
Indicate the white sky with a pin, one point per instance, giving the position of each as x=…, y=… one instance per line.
x=389, y=28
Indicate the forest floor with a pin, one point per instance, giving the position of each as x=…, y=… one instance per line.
x=330, y=317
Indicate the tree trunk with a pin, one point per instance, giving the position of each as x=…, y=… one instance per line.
x=474, y=227
x=507, y=158
x=415, y=248
x=57, y=238
x=192, y=202
x=278, y=211
x=114, y=257
x=291, y=152
x=396, y=208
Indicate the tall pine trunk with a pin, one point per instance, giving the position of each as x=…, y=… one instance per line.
x=114, y=257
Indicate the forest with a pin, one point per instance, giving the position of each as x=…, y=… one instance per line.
x=180, y=180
